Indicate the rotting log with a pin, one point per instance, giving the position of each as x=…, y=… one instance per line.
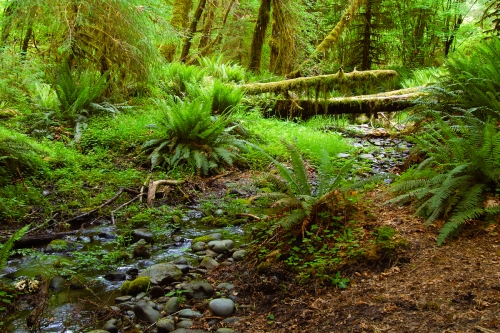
x=320, y=82
x=392, y=101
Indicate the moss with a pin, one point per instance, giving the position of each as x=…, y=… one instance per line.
x=58, y=245
x=139, y=285
x=180, y=13
x=204, y=239
x=168, y=51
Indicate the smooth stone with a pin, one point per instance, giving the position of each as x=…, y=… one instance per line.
x=188, y=313
x=343, y=155
x=184, y=268
x=226, y=263
x=239, y=255
x=367, y=156
x=156, y=292
x=198, y=246
x=144, y=312
x=226, y=286
x=217, y=236
x=142, y=233
x=122, y=299
x=211, y=253
x=198, y=289
x=165, y=325
x=209, y=263
x=184, y=323
x=172, y=305
x=57, y=283
x=111, y=326
x=181, y=261
x=115, y=276
x=221, y=246
x=222, y=306
x=162, y=274
x=230, y=320
x=98, y=331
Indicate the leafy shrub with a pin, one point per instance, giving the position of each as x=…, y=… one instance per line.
x=226, y=72
x=7, y=246
x=191, y=135
x=225, y=98
x=182, y=80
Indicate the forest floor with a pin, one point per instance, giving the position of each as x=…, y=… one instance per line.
x=426, y=288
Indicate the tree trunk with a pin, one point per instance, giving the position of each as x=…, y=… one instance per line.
x=366, y=61
x=192, y=30
x=208, y=21
x=259, y=35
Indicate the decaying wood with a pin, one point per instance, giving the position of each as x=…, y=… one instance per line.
x=369, y=104
x=32, y=240
x=324, y=81
x=154, y=184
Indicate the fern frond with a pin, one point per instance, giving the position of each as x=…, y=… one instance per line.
x=292, y=219
x=6, y=247
x=456, y=222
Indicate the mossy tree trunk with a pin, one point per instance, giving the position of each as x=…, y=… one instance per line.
x=259, y=35
x=331, y=39
x=282, y=41
x=192, y=30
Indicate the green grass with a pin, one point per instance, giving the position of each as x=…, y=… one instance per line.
x=309, y=136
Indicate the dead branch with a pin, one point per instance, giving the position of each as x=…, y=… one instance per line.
x=153, y=186
x=255, y=217
x=124, y=205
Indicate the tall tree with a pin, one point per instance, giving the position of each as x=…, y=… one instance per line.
x=259, y=35
x=282, y=42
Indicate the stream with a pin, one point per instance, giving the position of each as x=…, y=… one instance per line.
x=69, y=308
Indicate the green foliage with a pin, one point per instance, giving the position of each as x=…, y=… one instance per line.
x=191, y=135
x=6, y=247
x=182, y=80
x=225, y=98
x=462, y=166
x=18, y=153
x=225, y=72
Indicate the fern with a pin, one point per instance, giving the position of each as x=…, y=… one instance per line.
x=6, y=247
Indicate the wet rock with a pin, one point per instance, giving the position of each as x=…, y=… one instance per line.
x=198, y=246
x=188, y=330
x=188, y=313
x=115, y=276
x=211, y=253
x=184, y=268
x=217, y=236
x=111, y=326
x=145, y=312
x=57, y=283
x=221, y=246
x=209, y=263
x=142, y=233
x=172, y=305
x=156, y=292
x=162, y=274
x=230, y=320
x=165, y=325
x=234, y=191
x=122, y=299
x=225, y=286
x=98, y=331
x=367, y=156
x=198, y=289
x=343, y=155
x=107, y=235
x=141, y=250
x=239, y=255
x=222, y=306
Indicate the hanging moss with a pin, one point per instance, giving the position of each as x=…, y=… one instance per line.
x=168, y=51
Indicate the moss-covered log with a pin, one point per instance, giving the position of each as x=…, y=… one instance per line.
x=369, y=104
x=320, y=83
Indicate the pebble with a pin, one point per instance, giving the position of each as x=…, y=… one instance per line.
x=222, y=306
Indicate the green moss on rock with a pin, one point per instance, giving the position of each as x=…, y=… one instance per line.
x=139, y=285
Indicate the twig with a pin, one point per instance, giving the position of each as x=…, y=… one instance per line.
x=117, y=195
x=142, y=187
x=484, y=330
x=211, y=179
x=255, y=217
x=123, y=205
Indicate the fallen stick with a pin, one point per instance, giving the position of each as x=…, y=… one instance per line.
x=153, y=185
x=255, y=217
x=123, y=205
x=110, y=201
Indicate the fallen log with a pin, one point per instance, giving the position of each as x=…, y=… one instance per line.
x=319, y=83
x=366, y=104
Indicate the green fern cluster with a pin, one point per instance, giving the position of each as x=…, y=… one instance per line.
x=298, y=201
x=6, y=247
x=190, y=134
x=18, y=154
x=182, y=80
x=461, y=168
x=226, y=72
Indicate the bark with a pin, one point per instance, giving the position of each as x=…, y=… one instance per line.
x=259, y=35
x=366, y=62
x=320, y=82
x=192, y=30
x=368, y=104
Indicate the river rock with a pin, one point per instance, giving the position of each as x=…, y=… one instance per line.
x=111, y=326
x=367, y=156
x=143, y=311
x=115, y=276
x=188, y=330
x=209, y=263
x=156, y=292
x=222, y=306
x=57, y=283
x=172, y=305
x=98, y=331
x=225, y=286
x=239, y=255
x=162, y=274
x=198, y=246
x=221, y=246
x=142, y=233
x=165, y=325
x=122, y=299
x=224, y=330
x=198, y=289
x=188, y=313
x=184, y=323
